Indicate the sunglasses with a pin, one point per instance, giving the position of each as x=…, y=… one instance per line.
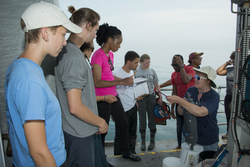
x=174, y=65
x=198, y=77
x=197, y=57
x=111, y=64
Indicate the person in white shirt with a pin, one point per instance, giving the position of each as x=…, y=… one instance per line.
x=126, y=94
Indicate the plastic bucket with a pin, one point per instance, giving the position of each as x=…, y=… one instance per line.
x=172, y=162
x=190, y=156
x=206, y=155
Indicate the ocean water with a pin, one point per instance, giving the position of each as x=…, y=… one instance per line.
x=162, y=65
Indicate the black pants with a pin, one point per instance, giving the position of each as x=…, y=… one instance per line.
x=132, y=121
x=65, y=164
x=116, y=110
x=227, y=101
x=179, y=125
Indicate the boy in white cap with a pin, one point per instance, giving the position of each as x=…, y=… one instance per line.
x=205, y=108
x=33, y=112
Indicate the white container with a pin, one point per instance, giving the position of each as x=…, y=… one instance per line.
x=190, y=158
x=172, y=162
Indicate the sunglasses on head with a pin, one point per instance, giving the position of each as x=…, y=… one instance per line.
x=111, y=64
x=174, y=65
x=198, y=77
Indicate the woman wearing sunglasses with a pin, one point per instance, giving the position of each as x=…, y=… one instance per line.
x=110, y=39
x=87, y=49
x=195, y=59
x=100, y=159
x=205, y=108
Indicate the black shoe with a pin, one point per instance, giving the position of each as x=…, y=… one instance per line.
x=117, y=153
x=110, y=165
x=132, y=157
x=133, y=152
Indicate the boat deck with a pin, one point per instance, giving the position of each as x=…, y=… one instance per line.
x=153, y=158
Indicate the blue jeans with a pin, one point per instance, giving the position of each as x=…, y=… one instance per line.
x=100, y=158
x=211, y=147
x=80, y=151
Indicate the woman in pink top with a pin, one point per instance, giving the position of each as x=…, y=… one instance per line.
x=110, y=39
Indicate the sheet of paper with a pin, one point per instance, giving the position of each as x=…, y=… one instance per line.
x=138, y=80
x=141, y=89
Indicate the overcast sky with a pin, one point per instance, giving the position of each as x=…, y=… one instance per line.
x=163, y=28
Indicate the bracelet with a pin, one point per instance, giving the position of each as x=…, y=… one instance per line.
x=105, y=98
x=182, y=66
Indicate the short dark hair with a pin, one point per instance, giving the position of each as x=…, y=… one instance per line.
x=232, y=55
x=85, y=46
x=131, y=56
x=143, y=57
x=179, y=56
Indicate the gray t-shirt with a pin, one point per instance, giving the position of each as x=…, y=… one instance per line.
x=230, y=80
x=150, y=74
x=72, y=71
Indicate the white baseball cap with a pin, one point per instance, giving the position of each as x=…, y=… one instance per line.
x=43, y=14
x=211, y=73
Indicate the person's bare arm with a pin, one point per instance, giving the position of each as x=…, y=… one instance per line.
x=167, y=83
x=97, y=75
x=180, y=110
x=191, y=108
x=116, y=78
x=77, y=108
x=186, y=78
x=36, y=138
x=157, y=87
x=109, y=98
x=222, y=71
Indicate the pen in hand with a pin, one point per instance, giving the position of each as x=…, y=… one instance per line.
x=134, y=74
x=160, y=92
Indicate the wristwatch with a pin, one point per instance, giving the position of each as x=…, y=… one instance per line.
x=182, y=66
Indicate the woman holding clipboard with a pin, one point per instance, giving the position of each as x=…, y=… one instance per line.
x=110, y=39
x=148, y=103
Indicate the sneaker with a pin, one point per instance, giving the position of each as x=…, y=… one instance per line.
x=224, y=136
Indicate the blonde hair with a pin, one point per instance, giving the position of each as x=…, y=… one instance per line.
x=143, y=57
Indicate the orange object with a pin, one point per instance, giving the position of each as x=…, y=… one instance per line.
x=134, y=74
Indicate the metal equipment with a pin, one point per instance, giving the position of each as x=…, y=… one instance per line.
x=238, y=145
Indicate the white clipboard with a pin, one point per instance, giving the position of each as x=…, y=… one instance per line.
x=141, y=89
